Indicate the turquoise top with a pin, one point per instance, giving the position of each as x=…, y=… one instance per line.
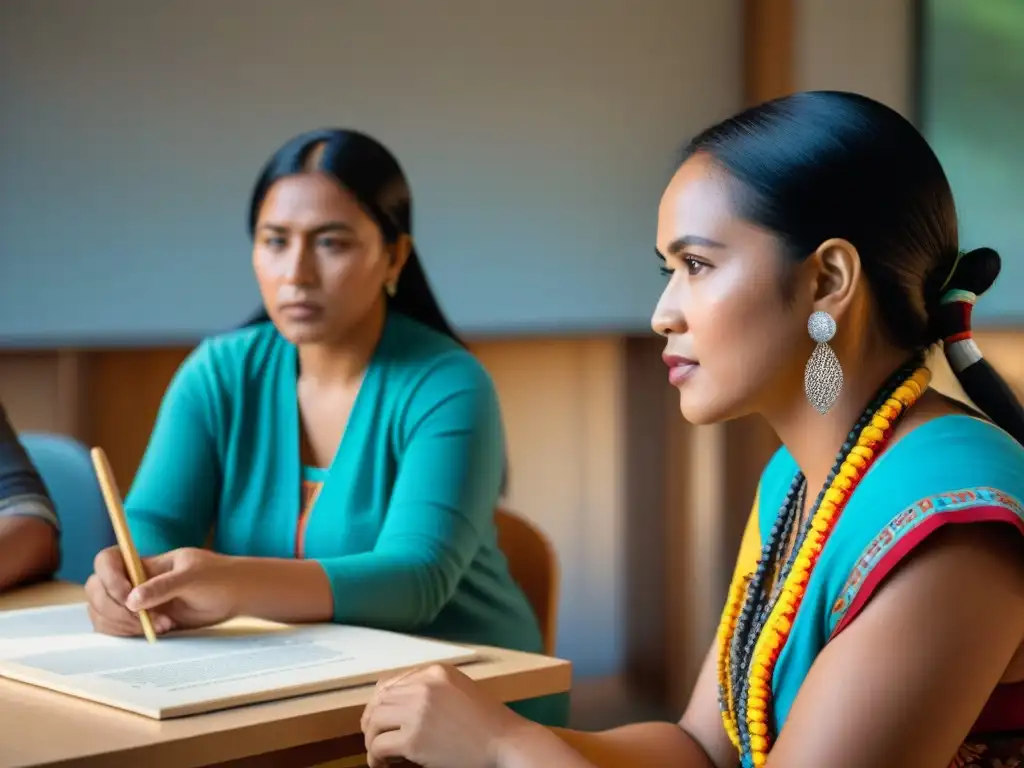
x=953, y=469
x=403, y=524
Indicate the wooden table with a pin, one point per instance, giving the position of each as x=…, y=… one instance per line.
x=42, y=728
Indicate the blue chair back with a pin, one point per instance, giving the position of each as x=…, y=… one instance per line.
x=66, y=469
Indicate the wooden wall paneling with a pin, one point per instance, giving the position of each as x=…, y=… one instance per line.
x=122, y=394
x=684, y=587
x=769, y=31
x=28, y=389
x=562, y=405
x=41, y=390
x=651, y=601
x=602, y=523
x=71, y=376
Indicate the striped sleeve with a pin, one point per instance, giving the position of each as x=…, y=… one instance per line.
x=22, y=492
x=905, y=532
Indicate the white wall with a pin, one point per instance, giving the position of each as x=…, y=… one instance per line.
x=856, y=45
x=537, y=136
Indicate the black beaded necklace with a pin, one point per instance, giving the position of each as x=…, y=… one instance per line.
x=760, y=601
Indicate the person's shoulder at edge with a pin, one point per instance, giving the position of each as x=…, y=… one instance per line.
x=22, y=491
x=7, y=432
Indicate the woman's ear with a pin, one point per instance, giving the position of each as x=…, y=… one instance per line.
x=398, y=253
x=838, y=264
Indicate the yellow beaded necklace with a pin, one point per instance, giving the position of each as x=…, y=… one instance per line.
x=772, y=638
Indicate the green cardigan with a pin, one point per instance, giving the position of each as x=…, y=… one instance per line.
x=404, y=523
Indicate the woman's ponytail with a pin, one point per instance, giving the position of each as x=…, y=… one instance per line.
x=972, y=275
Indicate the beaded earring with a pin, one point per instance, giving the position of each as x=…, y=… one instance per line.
x=391, y=287
x=823, y=376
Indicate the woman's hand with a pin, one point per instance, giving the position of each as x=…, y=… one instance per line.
x=186, y=589
x=436, y=718
x=106, y=591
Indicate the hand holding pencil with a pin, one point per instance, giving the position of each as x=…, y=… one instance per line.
x=184, y=588
x=115, y=508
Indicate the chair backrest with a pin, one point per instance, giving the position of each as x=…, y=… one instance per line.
x=67, y=471
x=534, y=566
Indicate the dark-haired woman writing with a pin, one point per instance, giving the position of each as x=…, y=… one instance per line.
x=876, y=614
x=344, y=451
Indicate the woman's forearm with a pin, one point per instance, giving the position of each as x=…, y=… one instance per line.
x=643, y=745
x=291, y=591
x=534, y=746
x=29, y=550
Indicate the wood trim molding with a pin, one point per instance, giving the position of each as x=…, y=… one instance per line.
x=654, y=588
x=122, y=394
x=72, y=378
x=769, y=35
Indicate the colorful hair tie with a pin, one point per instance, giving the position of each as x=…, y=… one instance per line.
x=957, y=295
x=960, y=348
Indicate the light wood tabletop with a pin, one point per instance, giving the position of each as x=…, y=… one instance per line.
x=42, y=728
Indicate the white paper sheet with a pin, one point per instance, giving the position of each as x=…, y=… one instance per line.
x=242, y=662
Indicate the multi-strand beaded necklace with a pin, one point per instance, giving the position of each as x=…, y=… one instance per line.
x=758, y=617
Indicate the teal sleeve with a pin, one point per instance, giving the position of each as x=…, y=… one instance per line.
x=449, y=473
x=173, y=499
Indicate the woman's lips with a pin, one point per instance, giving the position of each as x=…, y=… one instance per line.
x=301, y=310
x=679, y=368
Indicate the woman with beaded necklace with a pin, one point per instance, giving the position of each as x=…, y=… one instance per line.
x=876, y=615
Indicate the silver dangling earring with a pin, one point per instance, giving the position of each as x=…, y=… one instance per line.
x=823, y=376
x=391, y=287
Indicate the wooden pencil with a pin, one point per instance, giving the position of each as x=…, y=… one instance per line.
x=115, y=508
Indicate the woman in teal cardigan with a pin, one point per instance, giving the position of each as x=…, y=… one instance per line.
x=343, y=454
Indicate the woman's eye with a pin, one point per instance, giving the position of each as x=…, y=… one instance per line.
x=275, y=243
x=693, y=266
x=332, y=244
